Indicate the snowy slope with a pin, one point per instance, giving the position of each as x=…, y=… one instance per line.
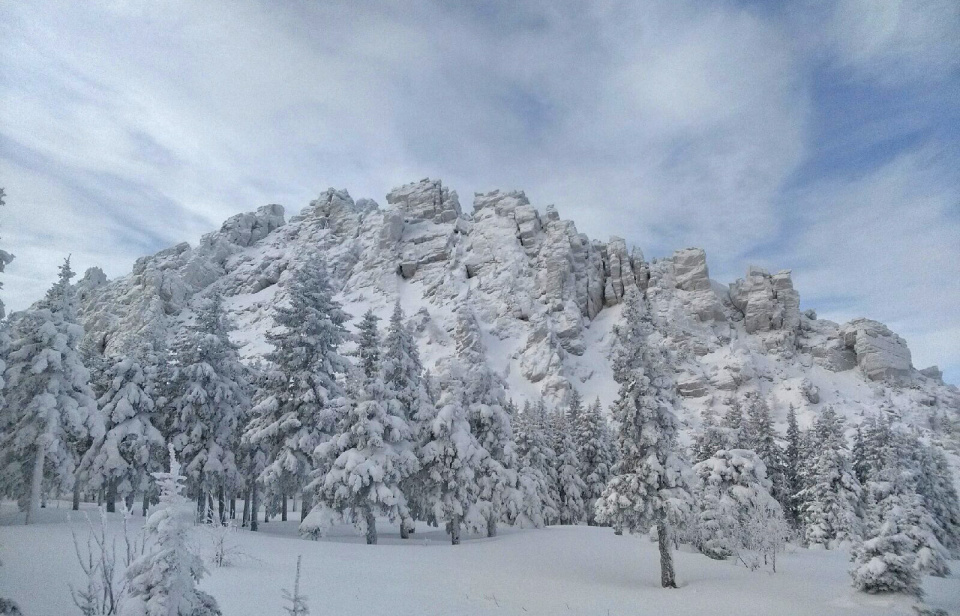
x=546, y=298
x=581, y=571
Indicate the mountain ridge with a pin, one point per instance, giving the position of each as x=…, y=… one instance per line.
x=545, y=295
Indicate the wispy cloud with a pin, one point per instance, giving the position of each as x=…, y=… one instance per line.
x=788, y=137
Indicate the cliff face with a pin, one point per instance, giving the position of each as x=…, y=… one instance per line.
x=544, y=295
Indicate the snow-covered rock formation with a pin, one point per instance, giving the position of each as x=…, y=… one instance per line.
x=545, y=296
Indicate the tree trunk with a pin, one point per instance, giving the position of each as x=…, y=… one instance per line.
x=455, y=530
x=306, y=504
x=406, y=525
x=667, y=579
x=492, y=526
x=245, y=516
x=233, y=506
x=283, y=507
x=221, y=505
x=146, y=501
x=112, y=496
x=36, y=483
x=254, y=505
x=76, y=495
x=371, y=528
x=128, y=501
x=201, y=504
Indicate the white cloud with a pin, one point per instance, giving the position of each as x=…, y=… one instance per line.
x=126, y=127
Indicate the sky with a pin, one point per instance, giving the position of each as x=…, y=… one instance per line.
x=821, y=137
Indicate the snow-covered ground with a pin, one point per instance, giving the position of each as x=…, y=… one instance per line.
x=552, y=571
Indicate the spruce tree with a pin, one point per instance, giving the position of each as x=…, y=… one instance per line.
x=50, y=411
x=372, y=449
x=710, y=438
x=594, y=452
x=763, y=442
x=738, y=515
x=408, y=396
x=211, y=405
x=451, y=460
x=132, y=447
x=570, y=485
x=163, y=581
x=485, y=401
x=831, y=499
x=650, y=487
x=792, y=470
x=299, y=411
x=535, y=459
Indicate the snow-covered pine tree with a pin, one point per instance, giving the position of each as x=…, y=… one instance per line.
x=451, y=460
x=858, y=456
x=299, y=411
x=939, y=494
x=372, y=450
x=792, y=471
x=570, y=486
x=710, y=438
x=738, y=515
x=736, y=425
x=485, y=400
x=211, y=405
x=831, y=499
x=594, y=452
x=50, y=410
x=534, y=460
x=297, y=601
x=133, y=445
x=650, y=486
x=884, y=562
x=763, y=442
x=408, y=396
x=163, y=582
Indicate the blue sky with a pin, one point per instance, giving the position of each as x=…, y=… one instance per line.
x=822, y=137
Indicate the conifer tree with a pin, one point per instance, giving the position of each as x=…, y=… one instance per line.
x=451, y=459
x=535, y=459
x=885, y=561
x=132, y=446
x=738, y=515
x=408, y=396
x=650, y=486
x=211, y=405
x=763, y=442
x=299, y=410
x=594, y=453
x=50, y=409
x=831, y=499
x=710, y=438
x=570, y=486
x=163, y=581
x=371, y=451
x=485, y=402
x=736, y=426
x=792, y=471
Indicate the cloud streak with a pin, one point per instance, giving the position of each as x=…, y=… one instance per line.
x=787, y=138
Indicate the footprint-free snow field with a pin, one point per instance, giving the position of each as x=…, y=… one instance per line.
x=575, y=570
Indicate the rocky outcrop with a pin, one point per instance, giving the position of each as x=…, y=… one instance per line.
x=766, y=302
x=881, y=354
x=543, y=296
x=426, y=200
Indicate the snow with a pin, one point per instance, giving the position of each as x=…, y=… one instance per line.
x=575, y=570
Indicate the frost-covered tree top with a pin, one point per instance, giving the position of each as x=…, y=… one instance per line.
x=162, y=582
x=212, y=399
x=650, y=482
x=297, y=411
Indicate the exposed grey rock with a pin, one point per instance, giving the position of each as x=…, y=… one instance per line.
x=881, y=354
x=426, y=200
x=810, y=391
x=933, y=372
